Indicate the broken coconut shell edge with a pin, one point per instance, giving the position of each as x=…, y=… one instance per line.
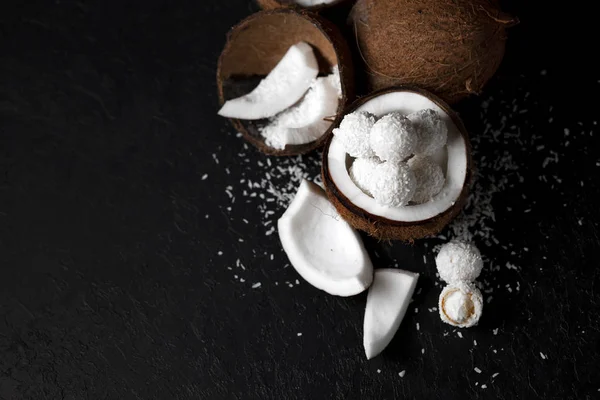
x=383, y=228
x=273, y=4
x=339, y=52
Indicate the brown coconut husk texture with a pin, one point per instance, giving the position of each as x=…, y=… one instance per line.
x=258, y=43
x=383, y=228
x=448, y=47
x=273, y=4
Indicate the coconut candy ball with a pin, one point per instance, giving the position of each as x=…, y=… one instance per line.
x=354, y=131
x=430, y=178
x=461, y=304
x=393, y=184
x=431, y=130
x=459, y=261
x=393, y=137
x=362, y=172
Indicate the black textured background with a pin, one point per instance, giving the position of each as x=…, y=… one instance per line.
x=111, y=286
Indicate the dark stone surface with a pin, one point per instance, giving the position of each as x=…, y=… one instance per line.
x=111, y=286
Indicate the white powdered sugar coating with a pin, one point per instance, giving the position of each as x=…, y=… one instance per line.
x=431, y=130
x=362, y=172
x=430, y=178
x=393, y=184
x=354, y=131
x=459, y=261
x=393, y=137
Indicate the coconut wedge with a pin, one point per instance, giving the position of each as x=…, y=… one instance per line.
x=306, y=121
x=255, y=47
x=408, y=222
x=280, y=89
x=387, y=302
x=321, y=246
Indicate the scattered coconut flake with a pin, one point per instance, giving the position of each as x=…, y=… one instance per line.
x=477, y=370
x=256, y=285
x=402, y=373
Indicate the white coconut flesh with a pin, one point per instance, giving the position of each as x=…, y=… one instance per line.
x=387, y=302
x=309, y=3
x=280, y=89
x=325, y=250
x=305, y=121
x=452, y=159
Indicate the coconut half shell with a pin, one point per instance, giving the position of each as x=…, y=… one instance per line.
x=401, y=223
x=273, y=4
x=255, y=46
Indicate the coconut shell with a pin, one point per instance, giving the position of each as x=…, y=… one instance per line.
x=383, y=228
x=273, y=4
x=257, y=44
x=448, y=47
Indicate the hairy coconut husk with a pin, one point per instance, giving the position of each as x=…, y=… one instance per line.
x=257, y=44
x=448, y=47
x=378, y=226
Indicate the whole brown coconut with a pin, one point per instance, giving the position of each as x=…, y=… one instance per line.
x=272, y=4
x=448, y=47
x=258, y=43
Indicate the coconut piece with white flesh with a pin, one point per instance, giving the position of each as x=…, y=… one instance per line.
x=280, y=89
x=387, y=302
x=307, y=4
x=305, y=121
x=321, y=246
x=411, y=221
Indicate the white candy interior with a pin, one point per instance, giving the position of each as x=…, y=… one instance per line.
x=453, y=160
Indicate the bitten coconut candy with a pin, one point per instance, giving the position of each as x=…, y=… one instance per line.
x=283, y=78
x=461, y=302
x=396, y=199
